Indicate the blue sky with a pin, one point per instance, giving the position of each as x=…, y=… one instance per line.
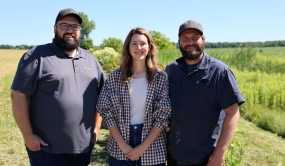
x=31, y=22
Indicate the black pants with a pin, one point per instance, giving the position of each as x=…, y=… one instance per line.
x=42, y=158
x=172, y=162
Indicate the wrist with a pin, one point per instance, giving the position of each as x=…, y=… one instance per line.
x=96, y=131
x=144, y=146
x=220, y=150
x=27, y=134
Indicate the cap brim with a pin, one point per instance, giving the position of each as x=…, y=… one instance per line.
x=188, y=29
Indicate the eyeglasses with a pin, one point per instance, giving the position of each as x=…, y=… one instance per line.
x=64, y=26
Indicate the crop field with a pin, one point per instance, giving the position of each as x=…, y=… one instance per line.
x=260, y=73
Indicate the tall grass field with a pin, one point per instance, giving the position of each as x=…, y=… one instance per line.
x=259, y=140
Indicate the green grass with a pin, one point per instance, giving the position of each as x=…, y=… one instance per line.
x=271, y=51
x=260, y=147
x=164, y=57
x=11, y=141
x=99, y=155
x=268, y=119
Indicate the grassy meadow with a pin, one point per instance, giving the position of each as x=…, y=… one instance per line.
x=260, y=76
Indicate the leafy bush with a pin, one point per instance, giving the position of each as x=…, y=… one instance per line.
x=115, y=43
x=108, y=58
x=235, y=152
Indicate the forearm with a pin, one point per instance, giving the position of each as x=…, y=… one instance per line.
x=153, y=134
x=98, y=122
x=228, y=129
x=21, y=112
x=116, y=134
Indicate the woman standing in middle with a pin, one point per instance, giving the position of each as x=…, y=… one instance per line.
x=135, y=105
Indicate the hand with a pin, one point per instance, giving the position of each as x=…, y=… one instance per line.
x=34, y=142
x=216, y=160
x=96, y=136
x=136, y=153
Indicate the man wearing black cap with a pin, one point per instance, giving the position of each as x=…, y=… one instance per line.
x=54, y=94
x=200, y=88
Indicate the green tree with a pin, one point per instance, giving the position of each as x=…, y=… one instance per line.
x=86, y=28
x=161, y=41
x=115, y=43
x=87, y=44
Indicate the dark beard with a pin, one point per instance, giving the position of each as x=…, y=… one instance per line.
x=194, y=54
x=66, y=45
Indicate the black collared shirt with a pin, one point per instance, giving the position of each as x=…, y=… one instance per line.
x=63, y=93
x=197, y=99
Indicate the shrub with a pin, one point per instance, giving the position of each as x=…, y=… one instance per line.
x=108, y=58
x=235, y=152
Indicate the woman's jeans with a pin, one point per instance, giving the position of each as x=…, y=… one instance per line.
x=135, y=140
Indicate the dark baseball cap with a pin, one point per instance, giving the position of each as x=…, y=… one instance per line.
x=68, y=12
x=190, y=24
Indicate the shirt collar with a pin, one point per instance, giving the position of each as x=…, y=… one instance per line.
x=204, y=63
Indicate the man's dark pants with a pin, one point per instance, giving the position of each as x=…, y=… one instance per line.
x=41, y=158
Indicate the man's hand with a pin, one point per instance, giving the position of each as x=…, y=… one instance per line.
x=96, y=136
x=216, y=160
x=34, y=142
x=97, y=126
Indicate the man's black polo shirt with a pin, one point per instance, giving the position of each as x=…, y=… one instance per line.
x=63, y=93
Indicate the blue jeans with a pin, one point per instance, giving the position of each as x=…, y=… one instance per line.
x=135, y=140
x=42, y=158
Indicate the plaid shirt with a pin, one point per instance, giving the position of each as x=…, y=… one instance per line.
x=114, y=106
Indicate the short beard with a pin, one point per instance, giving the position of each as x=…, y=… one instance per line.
x=66, y=45
x=194, y=54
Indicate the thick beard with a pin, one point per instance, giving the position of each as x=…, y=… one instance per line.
x=66, y=45
x=194, y=54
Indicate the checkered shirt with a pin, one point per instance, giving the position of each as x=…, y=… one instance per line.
x=114, y=106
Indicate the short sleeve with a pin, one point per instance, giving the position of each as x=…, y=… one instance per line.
x=26, y=74
x=228, y=91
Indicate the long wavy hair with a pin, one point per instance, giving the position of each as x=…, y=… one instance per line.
x=127, y=59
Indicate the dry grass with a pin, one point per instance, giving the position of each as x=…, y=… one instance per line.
x=12, y=150
x=9, y=60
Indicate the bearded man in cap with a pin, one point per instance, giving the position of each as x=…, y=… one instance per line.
x=54, y=95
x=201, y=87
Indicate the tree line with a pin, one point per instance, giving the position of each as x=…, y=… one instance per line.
x=18, y=47
x=161, y=41
x=278, y=43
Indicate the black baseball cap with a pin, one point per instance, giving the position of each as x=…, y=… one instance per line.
x=190, y=24
x=68, y=12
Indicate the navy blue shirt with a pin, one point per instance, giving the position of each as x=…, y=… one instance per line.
x=197, y=99
x=63, y=93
